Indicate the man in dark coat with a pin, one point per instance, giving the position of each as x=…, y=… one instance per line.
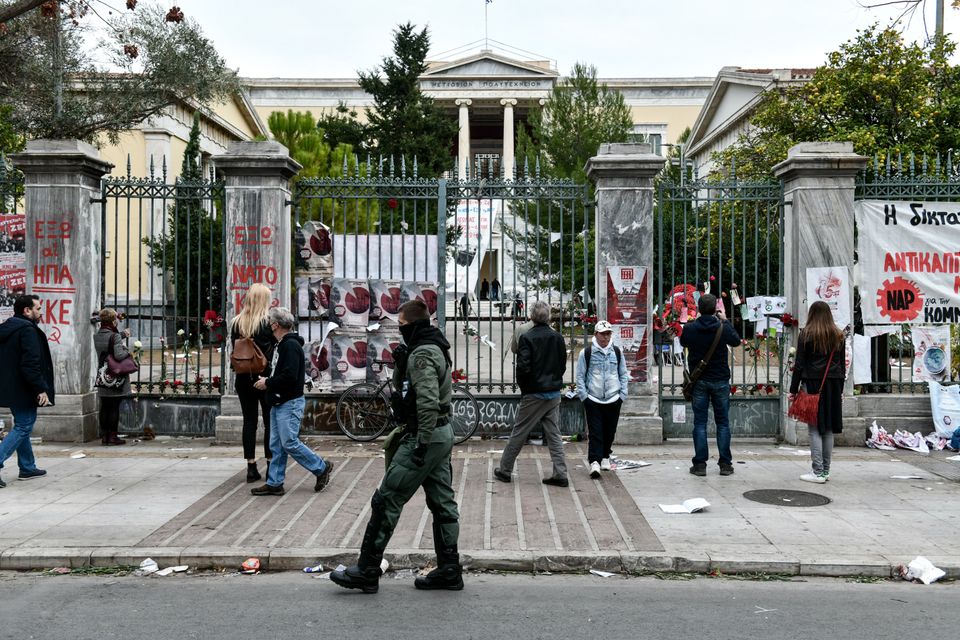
x=26, y=381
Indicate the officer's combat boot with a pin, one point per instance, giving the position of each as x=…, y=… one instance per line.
x=366, y=573
x=449, y=573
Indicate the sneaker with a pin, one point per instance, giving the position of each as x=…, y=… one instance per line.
x=826, y=476
x=502, y=476
x=605, y=464
x=268, y=490
x=699, y=469
x=30, y=475
x=814, y=478
x=323, y=477
x=726, y=469
x=594, y=470
x=557, y=482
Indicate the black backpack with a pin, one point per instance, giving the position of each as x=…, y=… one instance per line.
x=588, y=352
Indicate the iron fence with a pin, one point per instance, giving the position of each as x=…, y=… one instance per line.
x=725, y=237
x=898, y=176
x=489, y=245
x=163, y=272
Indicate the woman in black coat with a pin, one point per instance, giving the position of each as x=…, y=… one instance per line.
x=110, y=340
x=821, y=360
x=252, y=322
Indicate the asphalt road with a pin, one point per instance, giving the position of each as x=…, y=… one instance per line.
x=291, y=605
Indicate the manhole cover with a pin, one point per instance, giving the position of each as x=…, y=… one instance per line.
x=787, y=498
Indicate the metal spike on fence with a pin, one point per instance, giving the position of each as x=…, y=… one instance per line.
x=733, y=168
x=213, y=174
x=380, y=167
x=912, y=167
x=128, y=166
x=346, y=167
x=369, y=165
x=899, y=161
x=151, y=167
x=888, y=163
x=526, y=167
x=536, y=168
x=163, y=169
x=403, y=167
x=392, y=167
x=876, y=163
x=414, y=167
x=513, y=169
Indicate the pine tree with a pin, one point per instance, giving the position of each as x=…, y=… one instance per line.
x=403, y=121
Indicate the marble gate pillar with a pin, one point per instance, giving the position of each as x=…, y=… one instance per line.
x=623, y=174
x=463, y=146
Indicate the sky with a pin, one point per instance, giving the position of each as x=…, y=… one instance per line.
x=622, y=38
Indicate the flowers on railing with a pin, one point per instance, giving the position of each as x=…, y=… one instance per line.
x=212, y=319
x=759, y=389
x=458, y=375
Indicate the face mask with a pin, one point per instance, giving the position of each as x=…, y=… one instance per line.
x=407, y=331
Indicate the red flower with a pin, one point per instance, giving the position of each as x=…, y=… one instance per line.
x=771, y=389
x=178, y=383
x=392, y=203
x=759, y=387
x=215, y=381
x=733, y=389
x=788, y=320
x=712, y=278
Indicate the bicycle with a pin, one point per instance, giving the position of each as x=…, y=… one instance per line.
x=364, y=411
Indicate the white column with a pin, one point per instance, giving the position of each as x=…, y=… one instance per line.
x=507, y=159
x=463, y=148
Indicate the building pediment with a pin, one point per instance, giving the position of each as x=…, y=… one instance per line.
x=485, y=65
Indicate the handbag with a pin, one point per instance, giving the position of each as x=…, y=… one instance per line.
x=247, y=357
x=112, y=373
x=806, y=406
x=690, y=378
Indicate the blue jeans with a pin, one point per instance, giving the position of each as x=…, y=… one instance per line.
x=19, y=439
x=285, y=439
x=716, y=392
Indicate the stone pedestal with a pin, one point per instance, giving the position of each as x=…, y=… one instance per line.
x=257, y=243
x=818, y=190
x=624, y=175
x=64, y=249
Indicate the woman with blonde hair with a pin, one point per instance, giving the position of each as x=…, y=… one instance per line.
x=252, y=322
x=109, y=340
x=821, y=365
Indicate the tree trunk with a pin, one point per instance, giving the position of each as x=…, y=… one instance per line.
x=17, y=8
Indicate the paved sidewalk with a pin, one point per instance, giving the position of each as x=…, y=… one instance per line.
x=183, y=501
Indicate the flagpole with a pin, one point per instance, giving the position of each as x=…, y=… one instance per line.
x=486, y=32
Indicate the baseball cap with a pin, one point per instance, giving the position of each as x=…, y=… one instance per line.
x=603, y=327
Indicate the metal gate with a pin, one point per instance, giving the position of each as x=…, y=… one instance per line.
x=528, y=238
x=724, y=236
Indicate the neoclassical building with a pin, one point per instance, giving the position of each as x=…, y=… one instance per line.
x=491, y=95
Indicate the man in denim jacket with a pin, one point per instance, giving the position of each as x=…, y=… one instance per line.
x=602, y=387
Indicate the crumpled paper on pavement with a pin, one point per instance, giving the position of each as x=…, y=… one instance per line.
x=921, y=569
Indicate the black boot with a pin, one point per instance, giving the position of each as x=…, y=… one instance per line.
x=364, y=575
x=252, y=474
x=448, y=574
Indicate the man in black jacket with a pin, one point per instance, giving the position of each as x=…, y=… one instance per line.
x=541, y=363
x=26, y=381
x=713, y=387
x=284, y=390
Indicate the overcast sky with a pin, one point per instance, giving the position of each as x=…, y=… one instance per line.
x=623, y=38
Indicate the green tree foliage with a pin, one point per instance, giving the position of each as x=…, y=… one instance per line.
x=342, y=127
x=189, y=251
x=54, y=88
x=404, y=123
x=879, y=92
x=580, y=114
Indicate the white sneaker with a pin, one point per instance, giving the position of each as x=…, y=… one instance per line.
x=605, y=464
x=594, y=470
x=812, y=477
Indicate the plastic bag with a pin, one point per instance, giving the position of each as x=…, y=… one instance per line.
x=945, y=405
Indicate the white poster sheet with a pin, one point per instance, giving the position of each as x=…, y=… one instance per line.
x=832, y=286
x=931, y=353
x=474, y=220
x=909, y=261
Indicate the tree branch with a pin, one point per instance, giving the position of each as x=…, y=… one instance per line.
x=18, y=8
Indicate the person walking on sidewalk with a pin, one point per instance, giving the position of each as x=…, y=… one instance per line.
x=109, y=340
x=541, y=363
x=284, y=391
x=713, y=385
x=26, y=381
x=820, y=365
x=422, y=459
x=253, y=322
x=602, y=386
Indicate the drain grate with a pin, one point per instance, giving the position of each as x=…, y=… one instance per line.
x=787, y=498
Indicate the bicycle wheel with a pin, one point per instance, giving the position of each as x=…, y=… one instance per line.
x=363, y=412
x=464, y=414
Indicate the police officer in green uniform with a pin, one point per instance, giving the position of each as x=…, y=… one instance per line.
x=422, y=459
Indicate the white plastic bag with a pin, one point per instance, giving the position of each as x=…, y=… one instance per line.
x=921, y=569
x=945, y=405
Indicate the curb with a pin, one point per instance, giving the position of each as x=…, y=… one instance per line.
x=629, y=563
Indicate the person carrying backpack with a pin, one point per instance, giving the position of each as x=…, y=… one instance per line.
x=602, y=378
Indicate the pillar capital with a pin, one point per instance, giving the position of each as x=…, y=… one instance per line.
x=463, y=102
x=626, y=160
x=509, y=102
x=821, y=160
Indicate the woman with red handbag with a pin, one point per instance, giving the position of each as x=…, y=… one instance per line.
x=110, y=341
x=821, y=367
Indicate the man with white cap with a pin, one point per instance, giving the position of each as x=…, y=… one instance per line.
x=602, y=379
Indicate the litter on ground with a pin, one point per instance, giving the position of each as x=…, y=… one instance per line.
x=921, y=569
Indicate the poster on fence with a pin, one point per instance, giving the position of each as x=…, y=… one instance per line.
x=626, y=294
x=759, y=311
x=909, y=261
x=474, y=222
x=13, y=278
x=931, y=353
x=632, y=340
x=386, y=257
x=831, y=285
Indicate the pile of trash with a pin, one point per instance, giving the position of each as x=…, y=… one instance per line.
x=922, y=570
x=881, y=439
